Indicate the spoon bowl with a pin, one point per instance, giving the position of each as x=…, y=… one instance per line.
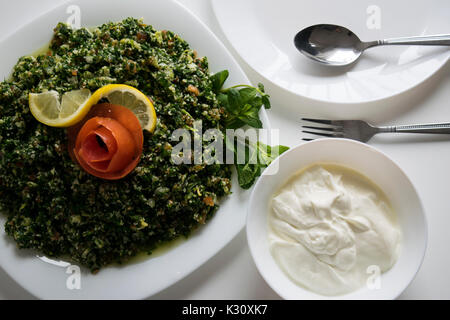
x=329, y=44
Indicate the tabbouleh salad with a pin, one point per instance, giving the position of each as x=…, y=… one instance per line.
x=55, y=207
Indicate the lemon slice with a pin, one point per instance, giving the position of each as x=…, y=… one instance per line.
x=47, y=108
x=132, y=99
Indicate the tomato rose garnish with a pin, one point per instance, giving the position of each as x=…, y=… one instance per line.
x=108, y=142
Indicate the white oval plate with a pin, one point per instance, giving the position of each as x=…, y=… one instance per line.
x=262, y=32
x=147, y=277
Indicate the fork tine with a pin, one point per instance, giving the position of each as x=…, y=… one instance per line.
x=318, y=120
x=334, y=134
x=321, y=128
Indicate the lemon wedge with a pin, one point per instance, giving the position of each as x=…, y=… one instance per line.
x=132, y=99
x=47, y=108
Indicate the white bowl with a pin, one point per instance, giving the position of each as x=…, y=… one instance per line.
x=379, y=168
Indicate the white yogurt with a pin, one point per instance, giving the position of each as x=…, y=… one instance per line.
x=331, y=228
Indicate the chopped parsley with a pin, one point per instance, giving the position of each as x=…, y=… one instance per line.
x=55, y=207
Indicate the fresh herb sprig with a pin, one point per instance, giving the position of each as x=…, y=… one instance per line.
x=257, y=157
x=243, y=103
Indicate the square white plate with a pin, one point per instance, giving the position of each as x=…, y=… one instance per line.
x=149, y=276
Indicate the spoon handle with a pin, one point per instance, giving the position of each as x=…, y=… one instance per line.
x=436, y=40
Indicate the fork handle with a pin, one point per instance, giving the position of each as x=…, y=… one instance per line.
x=442, y=128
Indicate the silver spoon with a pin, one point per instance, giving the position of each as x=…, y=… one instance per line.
x=335, y=45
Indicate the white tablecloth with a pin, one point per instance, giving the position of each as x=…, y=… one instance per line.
x=231, y=274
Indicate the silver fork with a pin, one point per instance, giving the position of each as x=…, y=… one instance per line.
x=363, y=131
